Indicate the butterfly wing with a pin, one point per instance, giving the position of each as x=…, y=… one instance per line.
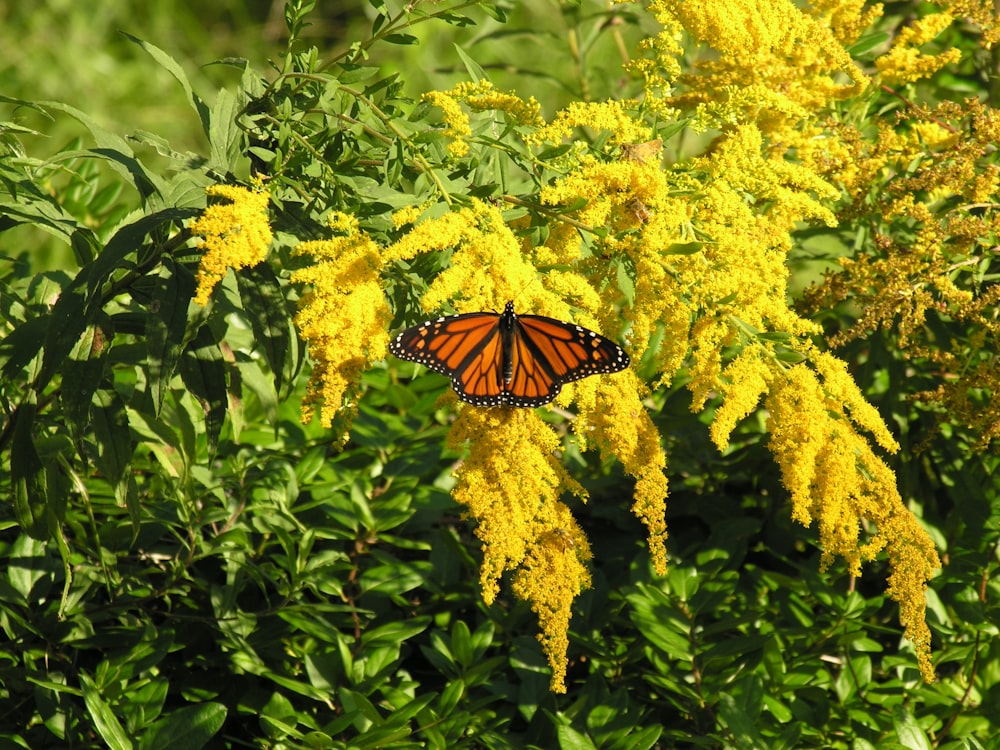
x=532, y=381
x=467, y=348
x=549, y=353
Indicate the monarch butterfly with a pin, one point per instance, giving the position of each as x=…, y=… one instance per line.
x=508, y=360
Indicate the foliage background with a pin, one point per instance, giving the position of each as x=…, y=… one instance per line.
x=273, y=590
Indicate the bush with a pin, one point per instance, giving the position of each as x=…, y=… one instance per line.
x=234, y=523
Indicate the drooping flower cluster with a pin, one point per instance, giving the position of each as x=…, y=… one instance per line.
x=343, y=316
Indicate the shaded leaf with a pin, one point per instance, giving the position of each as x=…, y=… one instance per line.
x=188, y=728
x=28, y=474
x=166, y=324
x=105, y=721
x=204, y=373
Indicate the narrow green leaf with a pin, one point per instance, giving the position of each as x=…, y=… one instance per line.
x=204, y=373
x=497, y=12
x=908, y=732
x=26, y=566
x=115, y=150
x=476, y=72
x=642, y=739
x=166, y=324
x=225, y=137
x=352, y=74
x=130, y=237
x=461, y=646
x=67, y=322
x=265, y=307
x=450, y=697
x=626, y=284
x=41, y=211
x=739, y=723
x=570, y=739
x=28, y=474
x=867, y=42
x=105, y=721
x=188, y=728
x=404, y=39
x=82, y=373
x=111, y=433
x=22, y=345
x=684, y=248
x=171, y=66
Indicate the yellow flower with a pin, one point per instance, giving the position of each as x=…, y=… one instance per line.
x=236, y=235
x=513, y=496
x=479, y=97
x=458, y=126
x=835, y=479
x=743, y=383
x=343, y=317
x=611, y=415
x=905, y=63
x=611, y=116
x=775, y=62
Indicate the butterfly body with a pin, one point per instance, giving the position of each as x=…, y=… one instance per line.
x=508, y=360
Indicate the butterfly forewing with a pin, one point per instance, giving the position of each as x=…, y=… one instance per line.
x=542, y=354
x=570, y=351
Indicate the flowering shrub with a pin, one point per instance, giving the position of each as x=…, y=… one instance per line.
x=669, y=216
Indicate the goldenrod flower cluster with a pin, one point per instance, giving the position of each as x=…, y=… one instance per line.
x=236, y=235
x=928, y=180
x=343, y=316
x=479, y=97
x=905, y=62
x=782, y=160
x=512, y=495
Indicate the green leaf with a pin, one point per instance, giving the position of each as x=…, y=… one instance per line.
x=867, y=42
x=188, y=728
x=643, y=738
x=82, y=374
x=66, y=323
x=27, y=474
x=22, y=345
x=685, y=248
x=908, y=732
x=27, y=566
x=741, y=725
x=111, y=433
x=114, y=150
x=204, y=374
x=170, y=65
x=570, y=739
x=265, y=307
x=105, y=721
x=405, y=39
x=476, y=72
x=626, y=284
x=461, y=646
x=166, y=324
x=495, y=10
x=224, y=134
x=42, y=212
